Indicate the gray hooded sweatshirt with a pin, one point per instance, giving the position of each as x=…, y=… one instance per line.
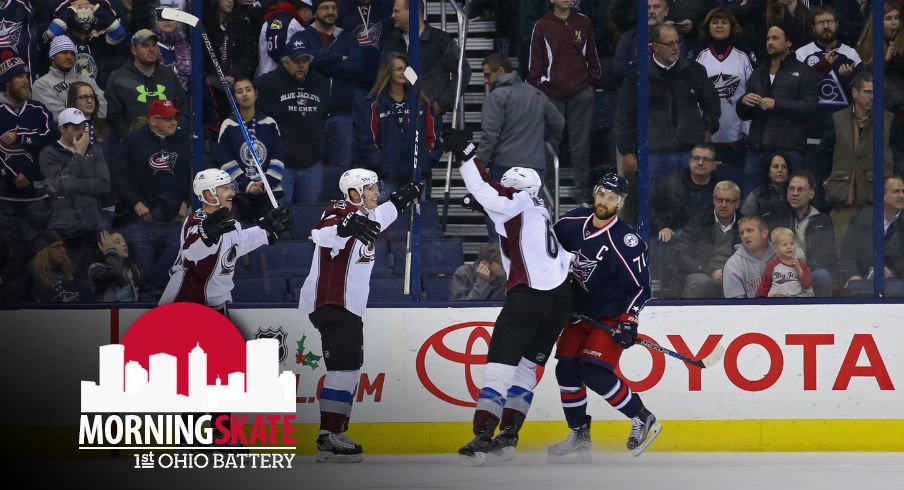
x=743, y=272
x=53, y=89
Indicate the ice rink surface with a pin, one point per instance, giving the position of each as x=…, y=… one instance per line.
x=651, y=471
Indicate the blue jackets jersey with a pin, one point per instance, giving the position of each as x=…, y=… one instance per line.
x=328, y=61
x=17, y=33
x=610, y=267
x=389, y=121
x=369, y=24
x=36, y=129
x=233, y=155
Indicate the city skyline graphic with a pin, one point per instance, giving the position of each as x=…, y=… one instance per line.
x=126, y=386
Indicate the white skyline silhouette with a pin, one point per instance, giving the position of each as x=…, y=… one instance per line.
x=128, y=387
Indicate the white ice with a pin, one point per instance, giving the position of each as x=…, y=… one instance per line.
x=609, y=471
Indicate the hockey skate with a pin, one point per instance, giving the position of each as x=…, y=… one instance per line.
x=338, y=448
x=644, y=429
x=475, y=452
x=504, y=445
x=575, y=449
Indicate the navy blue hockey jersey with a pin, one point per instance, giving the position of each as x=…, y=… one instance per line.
x=610, y=268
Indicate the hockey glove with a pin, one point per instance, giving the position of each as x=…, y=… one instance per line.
x=471, y=203
x=215, y=225
x=403, y=197
x=626, y=333
x=459, y=143
x=355, y=225
x=276, y=221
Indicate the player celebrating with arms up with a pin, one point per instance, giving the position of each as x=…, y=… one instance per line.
x=212, y=241
x=537, y=301
x=612, y=284
x=335, y=293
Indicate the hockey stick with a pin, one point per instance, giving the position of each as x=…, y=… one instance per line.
x=462, y=39
x=706, y=362
x=412, y=78
x=192, y=21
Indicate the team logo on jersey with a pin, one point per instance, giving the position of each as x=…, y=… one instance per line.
x=227, y=261
x=163, y=161
x=631, y=240
x=276, y=25
x=371, y=37
x=85, y=65
x=582, y=268
x=366, y=253
x=726, y=84
x=9, y=34
x=248, y=158
x=277, y=333
x=578, y=38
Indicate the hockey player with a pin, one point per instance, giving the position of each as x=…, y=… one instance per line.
x=211, y=242
x=335, y=293
x=611, y=284
x=537, y=301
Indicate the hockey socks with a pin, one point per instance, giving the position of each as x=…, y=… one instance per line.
x=336, y=400
x=572, y=392
x=612, y=388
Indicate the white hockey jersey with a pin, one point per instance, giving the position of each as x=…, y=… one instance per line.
x=203, y=274
x=832, y=90
x=340, y=271
x=729, y=72
x=531, y=254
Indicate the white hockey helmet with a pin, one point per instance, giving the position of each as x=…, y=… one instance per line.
x=523, y=179
x=357, y=179
x=209, y=180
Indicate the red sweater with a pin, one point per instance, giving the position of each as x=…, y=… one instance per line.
x=563, y=59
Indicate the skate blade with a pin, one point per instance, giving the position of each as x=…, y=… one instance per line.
x=328, y=457
x=502, y=456
x=651, y=435
x=577, y=457
x=478, y=459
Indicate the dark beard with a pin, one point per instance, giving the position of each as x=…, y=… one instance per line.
x=605, y=215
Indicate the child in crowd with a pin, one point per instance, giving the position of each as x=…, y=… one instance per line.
x=786, y=275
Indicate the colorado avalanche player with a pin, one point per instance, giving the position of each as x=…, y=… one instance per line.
x=611, y=284
x=537, y=301
x=334, y=297
x=212, y=241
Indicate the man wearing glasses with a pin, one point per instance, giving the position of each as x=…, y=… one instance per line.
x=152, y=179
x=52, y=89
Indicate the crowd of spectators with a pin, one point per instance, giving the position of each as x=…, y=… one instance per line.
x=760, y=118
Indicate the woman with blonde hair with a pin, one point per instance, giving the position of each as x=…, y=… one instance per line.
x=894, y=39
x=390, y=122
x=50, y=278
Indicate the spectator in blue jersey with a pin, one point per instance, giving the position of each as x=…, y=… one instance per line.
x=728, y=66
x=336, y=56
x=19, y=17
x=684, y=108
x=296, y=98
x=78, y=180
x=281, y=22
x=611, y=285
x=834, y=64
x=152, y=181
x=26, y=126
x=390, y=118
x=234, y=156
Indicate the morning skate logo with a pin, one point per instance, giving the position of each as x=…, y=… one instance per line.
x=188, y=391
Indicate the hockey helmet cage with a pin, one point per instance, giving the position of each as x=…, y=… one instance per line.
x=209, y=180
x=357, y=179
x=523, y=179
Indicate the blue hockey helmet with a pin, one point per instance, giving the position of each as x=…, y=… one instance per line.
x=614, y=183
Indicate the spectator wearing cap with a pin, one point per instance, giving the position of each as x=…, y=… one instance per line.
x=296, y=97
x=77, y=180
x=482, y=280
x=140, y=82
x=336, y=56
x=281, y=22
x=52, y=89
x=152, y=184
x=50, y=277
x=26, y=126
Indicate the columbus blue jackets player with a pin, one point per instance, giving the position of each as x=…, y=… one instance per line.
x=611, y=284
